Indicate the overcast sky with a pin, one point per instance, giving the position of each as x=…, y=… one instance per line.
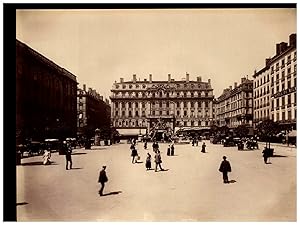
x=100, y=46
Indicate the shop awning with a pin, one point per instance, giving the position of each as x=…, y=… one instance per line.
x=125, y=132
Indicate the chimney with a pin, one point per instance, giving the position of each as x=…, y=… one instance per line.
x=243, y=79
x=277, y=49
x=90, y=90
x=200, y=79
x=187, y=77
x=293, y=40
x=169, y=77
x=268, y=61
x=230, y=87
x=150, y=78
x=84, y=87
x=145, y=79
x=121, y=80
x=134, y=78
x=283, y=46
x=208, y=81
x=235, y=84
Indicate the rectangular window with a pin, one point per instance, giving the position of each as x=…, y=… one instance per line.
x=136, y=113
x=295, y=98
x=283, y=116
x=277, y=88
x=283, y=101
x=282, y=86
x=123, y=113
x=289, y=115
x=289, y=99
x=289, y=84
x=277, y=102
x=117, y=113
x=178, y=104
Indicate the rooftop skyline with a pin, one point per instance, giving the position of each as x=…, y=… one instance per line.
x=101, y=46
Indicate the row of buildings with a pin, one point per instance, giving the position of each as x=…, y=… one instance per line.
x=48, y=102
x=163, y=107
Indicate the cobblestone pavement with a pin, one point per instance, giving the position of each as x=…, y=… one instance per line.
x=191, y=188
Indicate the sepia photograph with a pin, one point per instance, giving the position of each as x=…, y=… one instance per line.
x=156, y=114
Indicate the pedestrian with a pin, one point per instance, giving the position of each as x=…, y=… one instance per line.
x=225, y=168
x=148, y=161
x=197, y=141
x=133, y=154
x=46, y=157
x=145, y=145
x=158, y=161
x=203, y=147
x=172, y=149
x=68, y=153
x=169, y=150
x=102, y=180
x=193, y=142
x=265, y=155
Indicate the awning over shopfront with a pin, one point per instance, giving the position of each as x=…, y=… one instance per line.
x=125, y=132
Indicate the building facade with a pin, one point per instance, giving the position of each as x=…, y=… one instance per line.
x=262, y=94
x=275, y=85
x=141, y=107
x=234, y=106
x=93, y=112
x=45, y=97
x=283, y=70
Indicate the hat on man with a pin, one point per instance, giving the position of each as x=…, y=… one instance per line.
x=224, y=157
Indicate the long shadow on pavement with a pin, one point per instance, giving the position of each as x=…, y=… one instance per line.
x=278, y=156
x=77, y=168
x=79, y=153
x=37, y=164
x=112, y=193
x=232, y=181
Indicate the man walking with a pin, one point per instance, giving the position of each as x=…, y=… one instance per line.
x=225, y=168
x=158, y=161
x=68, y=153
x=102, y=180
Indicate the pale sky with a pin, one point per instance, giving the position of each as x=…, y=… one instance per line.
x=100, y=46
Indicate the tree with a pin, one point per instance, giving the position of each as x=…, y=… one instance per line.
x=241, y=131
x=214, y=129
x=267, y=129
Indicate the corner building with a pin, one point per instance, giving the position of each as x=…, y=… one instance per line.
x=283, y=69
x=161, y=107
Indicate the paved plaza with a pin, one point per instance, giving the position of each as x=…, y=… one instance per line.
x=191, y=188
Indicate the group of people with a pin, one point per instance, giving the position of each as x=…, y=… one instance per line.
x=67, y=149
x=157, y=158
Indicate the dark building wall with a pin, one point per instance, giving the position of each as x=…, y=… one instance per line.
x=98, y=113
x=45, y=98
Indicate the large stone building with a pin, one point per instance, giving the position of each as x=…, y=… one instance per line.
x=93, y=112
x=161, y=108
x=262, y=94
x=280, y=89
x=234, y=106
x=45, y=97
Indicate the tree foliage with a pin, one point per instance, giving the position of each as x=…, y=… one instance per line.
x=241, y=131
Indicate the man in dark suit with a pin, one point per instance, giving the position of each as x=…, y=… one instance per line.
x=225, y=168
x=102, y=180
x=68, y=152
